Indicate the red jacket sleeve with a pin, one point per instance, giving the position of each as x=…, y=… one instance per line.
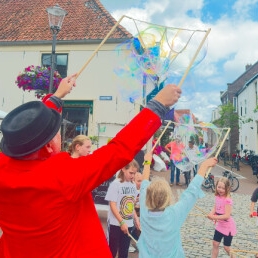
x=47, y=101
x=94, y=169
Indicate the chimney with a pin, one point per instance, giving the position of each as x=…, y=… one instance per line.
x=247, y=66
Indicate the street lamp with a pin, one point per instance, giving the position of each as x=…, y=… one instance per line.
x=55, y=17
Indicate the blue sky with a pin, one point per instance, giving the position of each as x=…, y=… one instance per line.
x=232, y=42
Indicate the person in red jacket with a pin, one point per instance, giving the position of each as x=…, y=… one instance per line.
x=46, y=206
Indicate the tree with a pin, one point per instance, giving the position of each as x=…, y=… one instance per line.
x=228, y=117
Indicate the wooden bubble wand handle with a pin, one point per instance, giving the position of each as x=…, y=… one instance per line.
x=100, y=45
x=193, y=59
x=161, y=135
x=219, y=149
x=132, y=237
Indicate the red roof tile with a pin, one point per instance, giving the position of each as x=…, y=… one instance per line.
x=28, y=21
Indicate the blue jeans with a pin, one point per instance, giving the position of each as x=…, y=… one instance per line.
x=118, y=241
x=172, y=175
x=195, y=169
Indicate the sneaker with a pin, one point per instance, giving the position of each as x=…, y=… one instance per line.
x=171, y=184
x=131, y=249
x=179, y=184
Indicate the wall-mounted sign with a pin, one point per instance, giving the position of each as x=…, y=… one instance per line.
x=105, y=97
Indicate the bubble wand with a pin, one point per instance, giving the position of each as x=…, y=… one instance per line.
x=193, y=59
x=219, y=149
x=100, y=45
x=154, y=146
x=132, y=237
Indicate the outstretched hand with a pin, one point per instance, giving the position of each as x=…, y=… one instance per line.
x=169, y=95
x=66, y=86
x=205, y=165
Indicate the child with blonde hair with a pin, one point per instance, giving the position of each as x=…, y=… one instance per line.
x=160, y=220
x=122, y=217
x=80, y=146
x=221, y=214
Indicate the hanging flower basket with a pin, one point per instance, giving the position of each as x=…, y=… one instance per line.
x=37, y=78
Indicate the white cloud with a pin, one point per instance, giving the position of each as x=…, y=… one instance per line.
x=242, y=8
x=203, y=104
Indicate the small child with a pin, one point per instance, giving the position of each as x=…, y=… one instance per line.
x=160, y=220
x=221, y=214
x=122, y=217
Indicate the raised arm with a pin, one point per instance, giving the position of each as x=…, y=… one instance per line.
x=211, y=162
x=146, y=168
x=126, y=144
x=55, y=100
x=169, y=95
x=65, y=86
x=189, y=197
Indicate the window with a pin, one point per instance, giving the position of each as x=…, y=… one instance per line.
x=75, y=116
x=235, y=104
x=61, y=63
x=245, y=106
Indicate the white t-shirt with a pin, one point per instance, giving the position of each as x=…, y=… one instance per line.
x=124, y=194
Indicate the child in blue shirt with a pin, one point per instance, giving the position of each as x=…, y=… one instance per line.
x=160, y=220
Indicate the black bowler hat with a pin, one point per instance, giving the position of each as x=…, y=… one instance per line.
x=28, y=128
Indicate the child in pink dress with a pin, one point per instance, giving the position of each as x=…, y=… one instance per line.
x=221, y=214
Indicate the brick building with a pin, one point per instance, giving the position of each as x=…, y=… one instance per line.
x=230, y=96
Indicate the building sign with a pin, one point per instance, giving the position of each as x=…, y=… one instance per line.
x=105, y=97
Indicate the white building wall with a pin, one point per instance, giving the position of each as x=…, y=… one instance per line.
x=215, y=114
x=97, y=79
x=247, y=102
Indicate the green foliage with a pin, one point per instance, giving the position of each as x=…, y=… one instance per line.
x=228, y=117
x=256, y=109
x=94, y=139
x=248, y=120
x=165, y=139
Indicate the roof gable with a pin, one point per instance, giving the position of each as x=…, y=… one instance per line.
x=27, y=20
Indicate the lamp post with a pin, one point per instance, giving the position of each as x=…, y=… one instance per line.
x=55, y=17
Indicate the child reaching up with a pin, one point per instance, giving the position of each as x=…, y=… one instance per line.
x=221, y=213
x=122, y=195
x=160, y=220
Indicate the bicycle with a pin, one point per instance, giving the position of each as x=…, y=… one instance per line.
x=234, y=182
x=233, y=162
x=247, y=158
x=209, y=183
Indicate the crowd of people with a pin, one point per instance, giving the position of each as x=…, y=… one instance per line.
x=46, y=206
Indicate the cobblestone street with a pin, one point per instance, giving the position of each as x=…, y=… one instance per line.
x=198, y=231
